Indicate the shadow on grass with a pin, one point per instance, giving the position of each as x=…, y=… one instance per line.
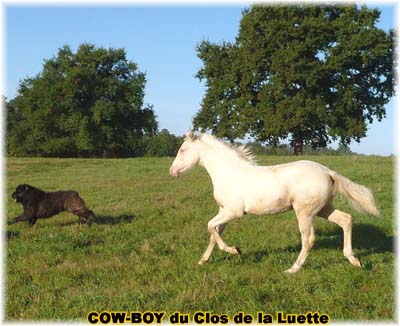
x=367, y=238
x=99, y=219
x=12, y=234
x=105, y=219
x=111, y=220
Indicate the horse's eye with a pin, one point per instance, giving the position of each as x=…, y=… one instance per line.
x=181, y=150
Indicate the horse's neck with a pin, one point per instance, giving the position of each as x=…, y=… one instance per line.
x=218, y=165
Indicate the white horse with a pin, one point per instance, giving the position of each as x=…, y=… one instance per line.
x=242, y=187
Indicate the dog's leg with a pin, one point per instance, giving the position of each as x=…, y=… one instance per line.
x=32, y=221
x=90, y=216
x=78, y=208
x=19, y=218
x=86, y=216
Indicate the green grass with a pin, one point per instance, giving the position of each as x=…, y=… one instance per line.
x=151, y=230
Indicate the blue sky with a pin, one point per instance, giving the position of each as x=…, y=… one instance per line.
x=160, y=39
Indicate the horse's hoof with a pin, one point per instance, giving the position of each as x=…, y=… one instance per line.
x=356, y=262
x=291, y=271
x=202, y=262
x=236, y=251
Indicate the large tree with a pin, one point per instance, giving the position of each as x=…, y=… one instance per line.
x=88, y=103
x=308, y=73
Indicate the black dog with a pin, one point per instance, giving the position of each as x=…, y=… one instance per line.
x=41, y=204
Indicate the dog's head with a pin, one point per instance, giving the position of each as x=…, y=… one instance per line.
x=21, y=192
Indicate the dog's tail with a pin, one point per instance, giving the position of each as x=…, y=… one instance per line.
x=360, y=197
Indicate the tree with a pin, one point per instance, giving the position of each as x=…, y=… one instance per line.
x=163, y=144
x=308, y=73
x=88, y=103
x=343, y=149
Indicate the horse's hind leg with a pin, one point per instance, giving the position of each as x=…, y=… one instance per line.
x=311, y=238
x=307, y=240
x=344, y=220
x=206, y=256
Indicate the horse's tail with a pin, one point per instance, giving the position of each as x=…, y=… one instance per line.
x=360, y=197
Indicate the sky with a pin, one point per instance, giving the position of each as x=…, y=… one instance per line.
x=161, y=39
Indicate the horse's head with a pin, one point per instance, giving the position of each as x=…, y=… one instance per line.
x=187, y=156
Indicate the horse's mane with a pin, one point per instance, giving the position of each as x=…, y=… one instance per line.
x=240, y=151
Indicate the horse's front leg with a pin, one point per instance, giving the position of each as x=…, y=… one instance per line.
x=222, y=218
x=307, y=240
x=211, y=244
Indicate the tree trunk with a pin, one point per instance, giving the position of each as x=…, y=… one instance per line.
x=297, y=144
x=275, y=142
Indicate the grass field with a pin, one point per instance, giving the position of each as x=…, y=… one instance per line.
x=142, y=251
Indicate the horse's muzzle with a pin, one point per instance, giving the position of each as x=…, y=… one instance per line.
x=174, y=172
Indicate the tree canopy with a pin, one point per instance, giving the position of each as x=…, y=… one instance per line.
x=163, y=144
x=88, y=104
x=306, y=73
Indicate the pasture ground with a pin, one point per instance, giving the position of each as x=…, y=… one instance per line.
x=141, y=253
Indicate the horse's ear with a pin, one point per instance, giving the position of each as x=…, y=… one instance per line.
x=190, y=136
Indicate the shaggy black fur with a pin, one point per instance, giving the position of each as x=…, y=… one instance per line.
x=42, y=204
